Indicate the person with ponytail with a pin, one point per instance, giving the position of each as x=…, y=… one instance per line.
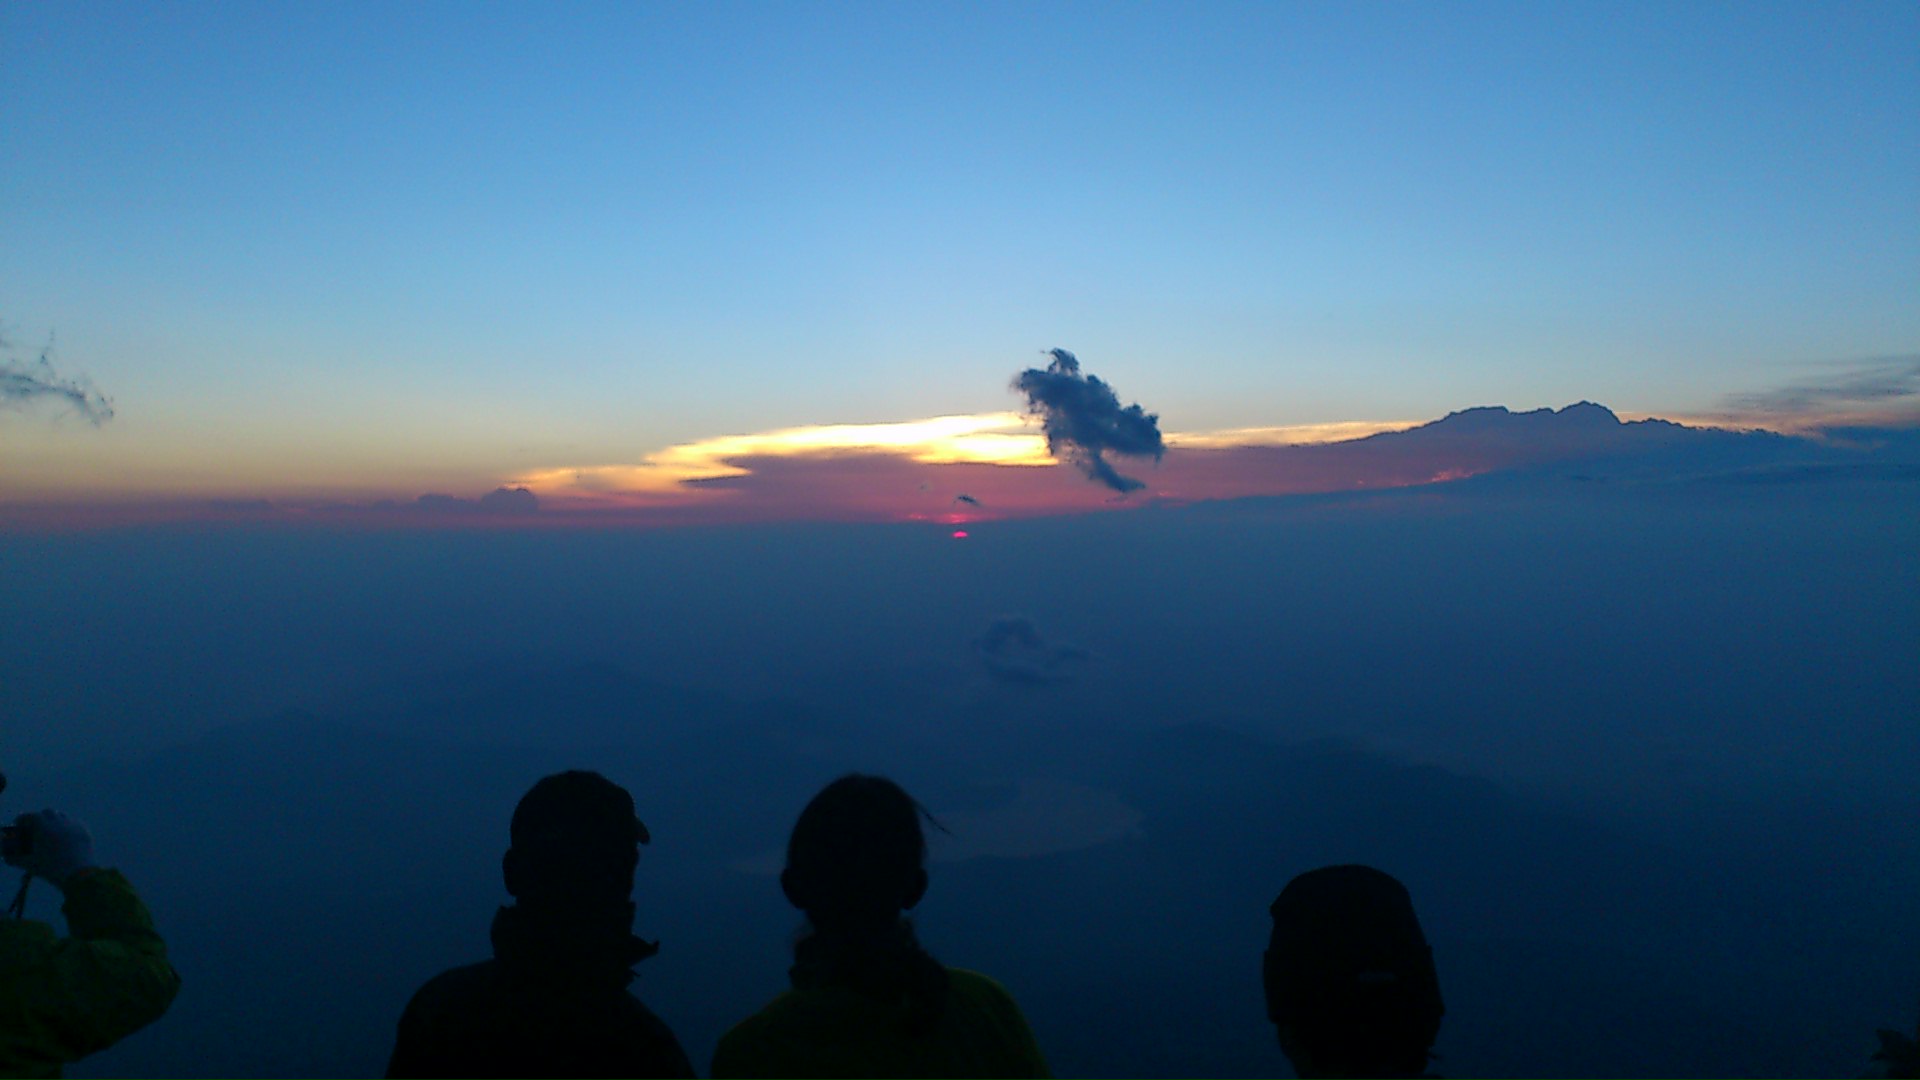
x=867, y=1000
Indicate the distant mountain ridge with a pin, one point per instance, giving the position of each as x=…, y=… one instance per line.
x=1583, y=413
x=1584, y=441
x=1493, y=438
x=1586, y=420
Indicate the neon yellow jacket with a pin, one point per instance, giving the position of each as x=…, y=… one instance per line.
x=833, y=1031
x=64, y=998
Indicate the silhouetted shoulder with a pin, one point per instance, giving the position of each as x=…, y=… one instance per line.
x=553, y=1001
x=999, y=1016
x=473, y=1021
x=833, y=1031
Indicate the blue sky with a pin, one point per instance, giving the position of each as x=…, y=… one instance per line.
x=366, y=247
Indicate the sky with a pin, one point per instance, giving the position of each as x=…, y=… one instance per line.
x=339, y=255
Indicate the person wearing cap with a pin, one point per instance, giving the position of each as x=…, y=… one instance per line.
x=64, y=998
x=1350, y=982
x=553, y=1001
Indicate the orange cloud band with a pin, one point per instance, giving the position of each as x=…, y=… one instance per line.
x=673, y=475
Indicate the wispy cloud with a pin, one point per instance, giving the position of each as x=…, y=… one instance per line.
x=1880, y=390
x=26, y=382
x=1291, y=435
x=1012, y=650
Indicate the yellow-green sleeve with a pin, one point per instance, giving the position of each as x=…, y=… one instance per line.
x=1031, y=1062
x=64, y=998
x=739, y=1054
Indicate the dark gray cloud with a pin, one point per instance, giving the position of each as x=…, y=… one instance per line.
x=1889, y=382
x=22, y=383
x=505, y=500
x=968, y=499
x=502, y=500
x=1084, y=421
x=1013, y=650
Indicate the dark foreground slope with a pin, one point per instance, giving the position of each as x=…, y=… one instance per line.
x=309, y=875
x=1640, y=742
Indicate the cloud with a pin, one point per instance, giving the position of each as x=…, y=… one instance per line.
x=850, y=486
x=505, y=500
x=1883, y=389
x=679, y=472
x=22, y=383
x=891, y=471
x=1013, y=650
x=911, y=471
x=1043, y=817
x=1291, y=435
x=500, y=501
x=1084, y=421
x=969, y=448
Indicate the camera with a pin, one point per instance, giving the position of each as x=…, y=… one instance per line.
x=15, y=840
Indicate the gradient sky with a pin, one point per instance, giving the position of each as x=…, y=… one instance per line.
x=357, y=250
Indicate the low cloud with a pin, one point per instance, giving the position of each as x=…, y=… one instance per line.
x=995, y=465
x=678, y=472
x=1084, y=421
x=503, y=501
x=1012, y=650
x=23, y=383
x=1880, y=390
x=996, y=458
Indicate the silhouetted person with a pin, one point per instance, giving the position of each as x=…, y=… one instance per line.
x=553, y=1001
x=1898, y=1057
x=64, y=998
x=1350, y=980
x=867, y=1000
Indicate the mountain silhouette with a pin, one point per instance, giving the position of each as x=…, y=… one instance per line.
x=1583, y=441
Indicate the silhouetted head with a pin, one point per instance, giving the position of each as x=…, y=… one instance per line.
x=1350, y=980
x=857, y=857
x=576, y=842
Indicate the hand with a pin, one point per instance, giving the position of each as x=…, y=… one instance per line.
x=51, y=845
